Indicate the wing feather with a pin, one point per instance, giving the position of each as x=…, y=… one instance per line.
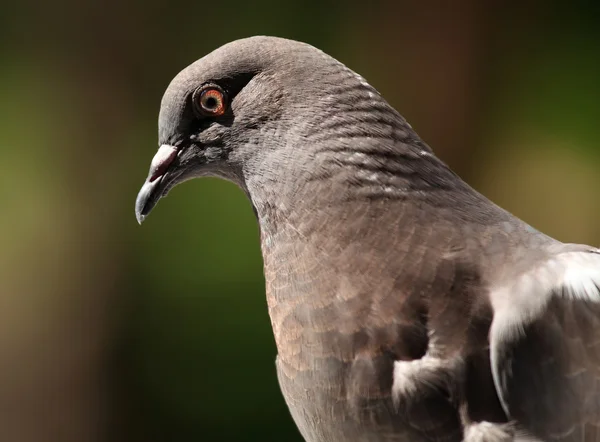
x=545, y=347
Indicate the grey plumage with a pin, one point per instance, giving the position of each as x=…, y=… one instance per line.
x=405, y=305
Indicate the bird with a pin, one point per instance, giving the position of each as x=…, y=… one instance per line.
x=405, y=305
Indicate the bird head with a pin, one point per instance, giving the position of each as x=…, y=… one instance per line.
x=231, y=113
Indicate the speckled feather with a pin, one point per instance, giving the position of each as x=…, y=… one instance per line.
x=384, y=270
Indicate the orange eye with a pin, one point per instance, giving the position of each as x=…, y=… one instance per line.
x=211, y=101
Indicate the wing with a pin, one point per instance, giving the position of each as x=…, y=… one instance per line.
x=545, y=347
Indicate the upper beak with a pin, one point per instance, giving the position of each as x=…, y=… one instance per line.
x=151, y=191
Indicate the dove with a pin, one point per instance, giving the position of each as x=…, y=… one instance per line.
x=405, y=305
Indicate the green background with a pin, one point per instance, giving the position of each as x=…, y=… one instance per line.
x=114, y=332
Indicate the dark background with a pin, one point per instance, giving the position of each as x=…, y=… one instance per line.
x=114, y=332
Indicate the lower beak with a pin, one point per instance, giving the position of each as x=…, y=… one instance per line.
x=151, y=191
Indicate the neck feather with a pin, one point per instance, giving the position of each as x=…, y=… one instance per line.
x=351, y=145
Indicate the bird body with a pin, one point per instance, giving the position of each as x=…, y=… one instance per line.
x=405, y=305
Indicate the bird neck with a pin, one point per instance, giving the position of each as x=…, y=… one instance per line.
x=343, y=181
x=320, y=178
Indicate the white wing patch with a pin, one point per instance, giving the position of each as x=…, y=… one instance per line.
x=582, y=277
x=408, y=375
x=488, y=432
x=411, y=377
x=517, y=303
x=492, y=432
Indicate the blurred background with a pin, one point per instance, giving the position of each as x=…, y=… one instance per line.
x=114, y=332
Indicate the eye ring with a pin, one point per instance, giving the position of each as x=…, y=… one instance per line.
x=210, y=101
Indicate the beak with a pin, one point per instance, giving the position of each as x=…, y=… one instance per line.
x=152, y=190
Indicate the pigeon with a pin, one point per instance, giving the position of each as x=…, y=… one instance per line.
x=405, y=305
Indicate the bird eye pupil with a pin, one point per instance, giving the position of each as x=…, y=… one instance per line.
x=210, y=102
